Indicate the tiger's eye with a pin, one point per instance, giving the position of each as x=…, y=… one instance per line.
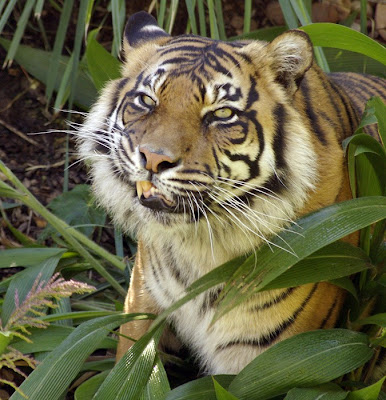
x=147, y=100
x=223, y=113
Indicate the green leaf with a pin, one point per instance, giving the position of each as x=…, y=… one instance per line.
x=368, y=393
x=43, y=339
x=27, y=256
x=202, y=388
x=221, y=393
x=329, y=391
x=333, y=261
x=380, y=113
x=308, y=359
x=311, y=233
x=289, y=14
x=377, y=319
x=128, y=379
x=157, y=386
x=87, y=389
x=37, y=62
x=346, y=284
x=101, y=64
x=341, y=37
x=60, y=367
x=77, y=208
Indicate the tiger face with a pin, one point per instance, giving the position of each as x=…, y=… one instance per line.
x=200, y=137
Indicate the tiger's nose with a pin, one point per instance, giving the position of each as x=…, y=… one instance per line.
x=156, y=162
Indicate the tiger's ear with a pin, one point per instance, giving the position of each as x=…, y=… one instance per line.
x=292, y=56
x=141, y=29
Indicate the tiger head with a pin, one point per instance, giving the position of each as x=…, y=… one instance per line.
x=201, y=135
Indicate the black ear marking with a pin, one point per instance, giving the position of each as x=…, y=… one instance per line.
x=142, y=27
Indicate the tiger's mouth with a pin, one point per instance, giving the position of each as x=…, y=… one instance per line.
x=149, y=196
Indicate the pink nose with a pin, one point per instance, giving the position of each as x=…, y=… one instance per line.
x=155, y=162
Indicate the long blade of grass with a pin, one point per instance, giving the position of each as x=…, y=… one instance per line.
x=364, y=17
x=289, y=14
x=201, y=17
x=161, y=14
x=53, y=69
x=7, y=13
x=64, y=90
x=214, y=33
x=171, y=16
x=190, y=5
x=305, y=19
x=247, y=16
x=39, y=8
x=220, y=20
x=79, y=35
x=118, y=10
x=21, y=25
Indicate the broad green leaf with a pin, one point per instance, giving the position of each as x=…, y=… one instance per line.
x=60, y=367
x=77, y=208
x=27, y=256
x=380, y=113
x=192, y=16
x=329, y=391
x=311, y=233
x=202, y=388
x=158, y=385
x=221, y=393
x=105, y=364
x=43, y=339
x=101, y=64
x=333, y=261
x=341, y=37
x=377, y=319
x=22, y=283
x=368, y=393
x=364, y=143
x=128, y=379
x=37, y=62
x=308, y=359
x=347, y=284
x=87, y=389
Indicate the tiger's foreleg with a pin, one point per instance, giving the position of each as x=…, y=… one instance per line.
x=138, y=300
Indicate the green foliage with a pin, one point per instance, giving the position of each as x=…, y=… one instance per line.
x=298, y=368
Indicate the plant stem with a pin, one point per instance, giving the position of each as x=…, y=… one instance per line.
x=69, y=233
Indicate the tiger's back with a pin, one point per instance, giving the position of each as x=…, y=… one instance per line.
x=206, y=149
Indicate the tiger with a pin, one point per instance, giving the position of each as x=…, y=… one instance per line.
x=206, y=149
